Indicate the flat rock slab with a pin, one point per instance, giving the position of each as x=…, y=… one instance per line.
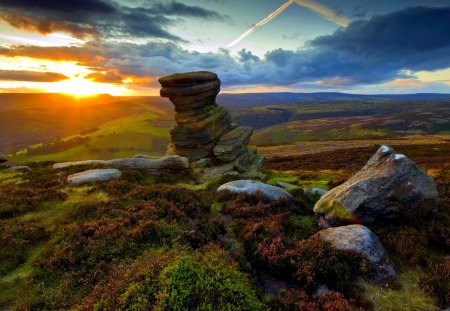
x=187, y=78
x=19, y=168
x=91, y=176
x=233, y=143
x=167, y=163
x=253, y=187
x=190, y=90
x=3, y=158
x=388, y=187
x=361, y=240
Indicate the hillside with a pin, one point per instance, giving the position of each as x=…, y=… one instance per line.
x=164, y=242
x=28, y=119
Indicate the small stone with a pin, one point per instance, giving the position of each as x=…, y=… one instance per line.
x=253, y=187
x=315, y=191
x=286, y=185
x=3, y=158
x=361, y=240
x=202, y=163
x=97, y=175
x=233, y=144
x=19, y=168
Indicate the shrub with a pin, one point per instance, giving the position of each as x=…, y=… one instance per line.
x=207, y=281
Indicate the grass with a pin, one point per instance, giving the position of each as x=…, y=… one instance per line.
x=123, y=137
x=408, y=297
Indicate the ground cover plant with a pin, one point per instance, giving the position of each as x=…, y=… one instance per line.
x=163, y=243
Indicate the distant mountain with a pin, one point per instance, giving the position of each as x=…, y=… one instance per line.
x=263, y=99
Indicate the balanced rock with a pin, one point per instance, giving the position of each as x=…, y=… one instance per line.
x=233, y=144
x=203, y=129
x=389, y=186
x=361, y=240
x=94, y=176
x=3, y=158
x=254, y=187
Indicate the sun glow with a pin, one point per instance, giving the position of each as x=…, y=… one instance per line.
x=80, y=87
x=76, y=84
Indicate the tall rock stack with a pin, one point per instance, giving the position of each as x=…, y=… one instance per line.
x=203, y=129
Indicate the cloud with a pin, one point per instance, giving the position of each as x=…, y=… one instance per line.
x=90, y=18
x=375, y=51
x=31, y=76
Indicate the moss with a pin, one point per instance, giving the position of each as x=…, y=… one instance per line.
x=334, y=209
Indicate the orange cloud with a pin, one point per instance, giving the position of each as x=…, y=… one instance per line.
x=31, y=76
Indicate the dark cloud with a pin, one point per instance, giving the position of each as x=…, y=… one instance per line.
x=372, y=51
x=180, y=9
x=83, y=18
x=31, y=76
x=366, y=52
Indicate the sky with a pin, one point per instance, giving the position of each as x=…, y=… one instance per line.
x=122, y=47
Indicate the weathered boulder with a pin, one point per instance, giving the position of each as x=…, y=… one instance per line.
x=190, y=90
x=154, y=164
x=170, y=163
x=361, y=240
x=78, y=163
x=19, y=168
x=253, y=187
x=389, y=186
x=233, y=144
x=97, y=175
x=3, y=158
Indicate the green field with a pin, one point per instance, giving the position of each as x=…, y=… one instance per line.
x=123, y=137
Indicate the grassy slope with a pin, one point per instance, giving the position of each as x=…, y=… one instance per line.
x=119, y=138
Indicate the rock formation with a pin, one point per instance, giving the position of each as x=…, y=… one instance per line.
x=203, y=129
x=361, y=240
x=389, y=186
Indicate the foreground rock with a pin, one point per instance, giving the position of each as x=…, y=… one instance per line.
x=254, y=187
x=155, y=165
x=3, y=158
x=91, y=176
x=389, y=186
x=361, y=240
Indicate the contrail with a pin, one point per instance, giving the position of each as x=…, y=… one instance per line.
x=310, y=4
x=325, y=12
x=261, y=23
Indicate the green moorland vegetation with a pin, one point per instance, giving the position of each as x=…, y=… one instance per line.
x=163, y=243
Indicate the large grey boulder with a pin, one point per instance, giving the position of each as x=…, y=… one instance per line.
x=153, y=164
x=389, y=186
x=361, y=240
x=3, y=158
x=254, y=187
x=91, y=176
x=233, y=144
